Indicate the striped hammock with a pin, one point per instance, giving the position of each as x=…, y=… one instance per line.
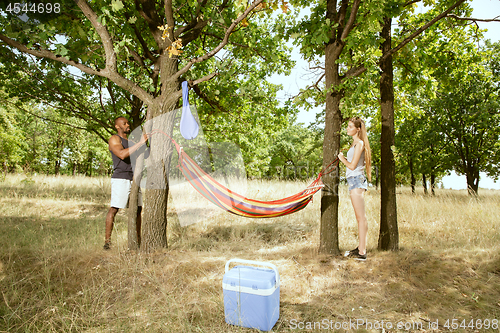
x=237, y=204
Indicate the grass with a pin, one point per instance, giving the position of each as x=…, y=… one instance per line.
x=55, y=277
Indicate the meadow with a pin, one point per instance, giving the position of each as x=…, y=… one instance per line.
x=55, y=276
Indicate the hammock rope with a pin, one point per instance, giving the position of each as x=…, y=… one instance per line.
x=237, y=204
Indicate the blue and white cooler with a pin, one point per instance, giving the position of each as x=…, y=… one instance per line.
x=251, y=294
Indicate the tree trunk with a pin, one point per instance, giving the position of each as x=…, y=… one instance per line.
x=424, y=183
x=133, y=239
x=89, y=161
x=389, y=235
x=433, y=183
x=413, y=180
x=154, y=231
x=155, y=196
x=472, y=176
x=57, y=166
x=329, y=235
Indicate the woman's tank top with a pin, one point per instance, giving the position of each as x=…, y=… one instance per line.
x=360, y=168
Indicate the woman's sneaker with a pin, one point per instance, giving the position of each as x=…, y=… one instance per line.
x=357, y=256
x=347, y=253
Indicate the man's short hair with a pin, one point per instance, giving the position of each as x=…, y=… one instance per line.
x=120, y=117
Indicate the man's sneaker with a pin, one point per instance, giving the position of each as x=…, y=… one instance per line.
x=107, y=245
x=347, y=253
x=357, y=256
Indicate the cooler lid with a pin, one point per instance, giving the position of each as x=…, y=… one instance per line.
x=251, y=280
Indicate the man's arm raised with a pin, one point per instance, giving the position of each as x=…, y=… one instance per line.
x=116, y=147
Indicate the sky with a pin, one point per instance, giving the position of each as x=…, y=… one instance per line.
x=300, y=78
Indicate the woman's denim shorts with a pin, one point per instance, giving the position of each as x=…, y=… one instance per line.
x=358, y=181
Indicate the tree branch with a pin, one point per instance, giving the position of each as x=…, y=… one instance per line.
x=456, y=17
x=106, y=39
x=194, y=22
x=350, y=23
x=203, y=79
x=421, y=29
x=238, y=44
x=109, y=72
x=219, y=47
x=315, y=86
x=40, y=53
x=204, y=97
x=411, y=2
x=191, y=32
x=8, y=101
x=141, y=40
x=361, y=69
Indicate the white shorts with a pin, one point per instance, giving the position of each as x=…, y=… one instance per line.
x=120, y=192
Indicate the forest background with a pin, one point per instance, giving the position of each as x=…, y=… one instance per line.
x=300, y=77
x=66, y=135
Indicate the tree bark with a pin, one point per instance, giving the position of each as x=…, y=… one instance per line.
x=433, y=183
x=413, y=180
x=154, y=226
x=329, y=235
x=472, y=176
x=389, y=235
x=424, y=183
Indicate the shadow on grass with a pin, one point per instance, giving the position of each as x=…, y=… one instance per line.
x=415, y=286
x=43, y=234
x=57, y=192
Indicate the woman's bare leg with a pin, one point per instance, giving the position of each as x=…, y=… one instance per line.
x=358, y=203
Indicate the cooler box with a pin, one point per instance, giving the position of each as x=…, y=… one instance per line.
x=251, y=295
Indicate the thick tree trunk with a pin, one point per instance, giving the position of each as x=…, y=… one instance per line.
x=155, y=196
x=154, y=226
x=389, y=235
x=472, y=176
x=329, y=235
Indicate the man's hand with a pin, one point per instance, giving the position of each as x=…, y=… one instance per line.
x=145, y=138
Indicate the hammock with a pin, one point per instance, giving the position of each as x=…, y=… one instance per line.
x=237, y=204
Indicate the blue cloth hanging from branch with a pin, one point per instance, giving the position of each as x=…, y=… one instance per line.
x=189, y=127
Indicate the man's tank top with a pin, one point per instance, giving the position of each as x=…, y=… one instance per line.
x=122, y=169
x=360, y=168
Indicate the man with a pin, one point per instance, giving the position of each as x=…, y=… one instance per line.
x=121, y=180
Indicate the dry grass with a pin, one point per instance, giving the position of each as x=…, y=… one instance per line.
x=55, y=277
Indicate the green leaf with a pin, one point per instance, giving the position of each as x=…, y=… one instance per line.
x=116, y=5
x=61, y=50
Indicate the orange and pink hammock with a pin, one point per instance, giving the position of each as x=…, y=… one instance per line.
x=237, y=204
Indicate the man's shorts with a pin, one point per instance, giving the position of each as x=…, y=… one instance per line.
x=120, y=192
x=357, y=182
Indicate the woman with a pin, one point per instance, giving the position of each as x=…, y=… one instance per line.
x=358, y=156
